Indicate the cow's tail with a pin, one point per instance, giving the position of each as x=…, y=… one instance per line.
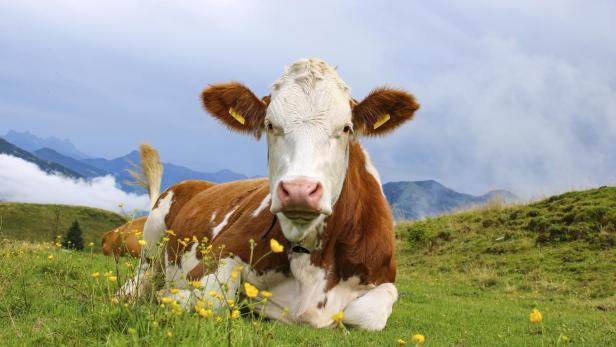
x=152, y=170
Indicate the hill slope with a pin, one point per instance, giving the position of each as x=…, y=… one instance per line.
x=564, y=245
x=418, y=199
x=47, y=166
x=37, y=222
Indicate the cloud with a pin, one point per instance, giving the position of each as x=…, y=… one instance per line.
x=514, y=94
x=22, y=181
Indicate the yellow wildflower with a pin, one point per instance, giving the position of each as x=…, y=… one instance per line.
x=166, y=239
x=95, y=274
x=170, y=232
x=233, y=275
x=230, y=302
x=194, y=239
x=174, y=290
x=564, y=338
x=401, y=342
x=535, y=317
x=213, y=294
x=205, y=313
x=169, y=333
x=266, y=294
x=91, y=244
x=235, y=314
x=167, y=300
x=142, y=242
x=251, y=291
x=196, y=284
x=275, y=246
x=112, y=278
x=338, y=317
x=418, y=338
x=50, y=257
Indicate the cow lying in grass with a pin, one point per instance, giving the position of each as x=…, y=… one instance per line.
x=322, y=202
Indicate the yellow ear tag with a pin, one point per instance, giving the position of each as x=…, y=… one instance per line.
x=238, y=117
x=381, y=121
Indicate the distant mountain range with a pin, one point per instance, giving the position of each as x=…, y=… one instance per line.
x=74, y=163
x=32, y=143
x=408, y=200
x=45, y=165
x=415, y=200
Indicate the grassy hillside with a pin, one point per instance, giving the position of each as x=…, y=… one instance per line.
x=469, y=279
x=37, y=222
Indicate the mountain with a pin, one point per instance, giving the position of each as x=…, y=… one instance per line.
x=47, y=166
x=415, y=200
x=172, y=174
x=70, y=163
x=31, y=143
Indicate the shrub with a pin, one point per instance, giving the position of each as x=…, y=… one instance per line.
x=74, y=237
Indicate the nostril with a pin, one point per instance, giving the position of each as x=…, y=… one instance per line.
x=316, y=191
x=283, y=193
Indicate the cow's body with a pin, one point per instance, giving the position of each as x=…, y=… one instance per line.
x=322, y=201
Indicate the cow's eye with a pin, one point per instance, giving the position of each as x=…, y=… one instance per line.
x=347, y=129
x=270, y=126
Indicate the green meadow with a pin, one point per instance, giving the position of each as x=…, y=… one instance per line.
x=470, y=278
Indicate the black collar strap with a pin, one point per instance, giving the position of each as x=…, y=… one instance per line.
x=300, y=249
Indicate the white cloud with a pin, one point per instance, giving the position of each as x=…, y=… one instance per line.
x=22, y=181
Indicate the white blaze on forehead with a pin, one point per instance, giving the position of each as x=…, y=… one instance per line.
x=310, y=93
x=262, y=205
x=217, y=229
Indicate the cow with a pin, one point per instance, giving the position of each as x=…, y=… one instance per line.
x=124, y=239
x=322, y=201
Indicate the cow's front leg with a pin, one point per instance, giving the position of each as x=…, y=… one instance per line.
x=371, y=310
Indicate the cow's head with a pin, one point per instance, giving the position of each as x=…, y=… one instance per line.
x=309, y=120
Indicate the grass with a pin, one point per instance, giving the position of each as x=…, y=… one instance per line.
x=468, y=279
x=37, y=222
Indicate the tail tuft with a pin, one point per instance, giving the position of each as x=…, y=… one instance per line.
x=151, y=172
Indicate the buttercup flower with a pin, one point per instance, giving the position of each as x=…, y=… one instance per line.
x=251, y=291
x=195, y=284
x=235, y=314
x=95, y=274
x=266, y=294
x=112, y=278
x=535, y=317
x=418, y=338
x=167, y=300
x=234, y=275
x=50, y=257
x=401, y=342
x=276, y=246
x=338, y=317
x=142, y=242
x=174, y=290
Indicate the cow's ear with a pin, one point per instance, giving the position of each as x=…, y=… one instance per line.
x=236, y=106
x=383, y=111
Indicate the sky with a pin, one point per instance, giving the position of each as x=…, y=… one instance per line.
x=517, y=95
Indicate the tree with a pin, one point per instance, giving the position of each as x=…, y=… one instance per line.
x=73, y=238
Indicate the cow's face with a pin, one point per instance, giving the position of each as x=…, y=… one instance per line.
x=309, y=119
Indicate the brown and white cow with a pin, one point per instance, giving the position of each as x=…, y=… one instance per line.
x=322, y=200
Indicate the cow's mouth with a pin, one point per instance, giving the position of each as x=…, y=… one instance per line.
x=301, y=216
